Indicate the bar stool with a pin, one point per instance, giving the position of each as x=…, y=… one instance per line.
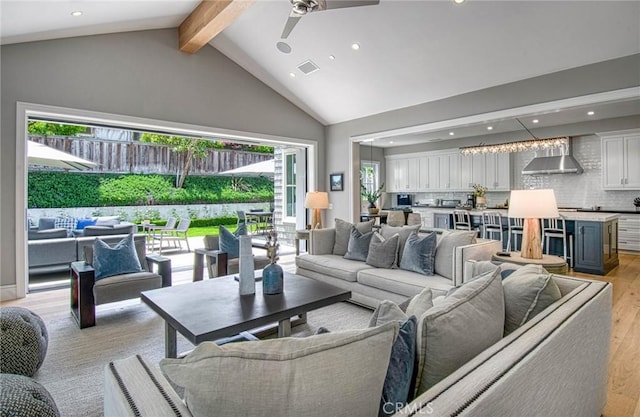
x=395, y=218
x=461, y=220
x=491, y=225
x=413, y=219
x=516, y=226
x=557, y=228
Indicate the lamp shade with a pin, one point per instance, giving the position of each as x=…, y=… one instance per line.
x=317, y=200
x=533, y=204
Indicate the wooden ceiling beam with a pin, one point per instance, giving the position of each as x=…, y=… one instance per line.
x=207, y=20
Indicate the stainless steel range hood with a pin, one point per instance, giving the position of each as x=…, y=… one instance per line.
x=555, y=161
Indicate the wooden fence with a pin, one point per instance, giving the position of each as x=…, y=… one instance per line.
x=146, y=158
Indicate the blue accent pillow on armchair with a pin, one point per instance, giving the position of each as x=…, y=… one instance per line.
x=120, y=259
x=230, y=242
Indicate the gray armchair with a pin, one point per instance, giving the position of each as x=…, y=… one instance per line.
x=218, y=262
x=86, y=293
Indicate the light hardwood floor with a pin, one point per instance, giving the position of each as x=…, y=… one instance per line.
x=623, y=396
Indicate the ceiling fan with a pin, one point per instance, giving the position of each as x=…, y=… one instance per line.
x=302, y=7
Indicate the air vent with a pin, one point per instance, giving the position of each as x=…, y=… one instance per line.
x=308, y=67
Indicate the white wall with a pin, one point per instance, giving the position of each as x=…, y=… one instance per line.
x=138, y=74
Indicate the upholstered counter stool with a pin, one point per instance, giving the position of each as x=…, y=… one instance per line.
x=23, y=341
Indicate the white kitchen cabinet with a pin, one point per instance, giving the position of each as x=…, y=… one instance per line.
x=396, y=173
x=497, y=172
x=448, y=171
x=629, y=232
x=423, y=173
x=413, y=174
x=620, y=167
x=472, y=170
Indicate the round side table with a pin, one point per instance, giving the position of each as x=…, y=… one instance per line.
x=553, y=264
x=302, y=234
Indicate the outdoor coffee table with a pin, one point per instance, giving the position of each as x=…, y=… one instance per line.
x=213, y=309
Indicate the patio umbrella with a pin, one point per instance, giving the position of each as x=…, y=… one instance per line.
x=259, y=169
x=39, y=154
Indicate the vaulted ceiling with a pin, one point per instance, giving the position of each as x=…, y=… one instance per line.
x=410, y=52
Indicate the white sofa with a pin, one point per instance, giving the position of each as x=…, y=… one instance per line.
x=369, y=285
x=553, y=365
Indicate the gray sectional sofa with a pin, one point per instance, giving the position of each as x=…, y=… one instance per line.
x=55, y=255
x=369, y=285
x=555, y=364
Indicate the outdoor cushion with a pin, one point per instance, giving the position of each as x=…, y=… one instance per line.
x=47, y=234
x=121, y=259
x=107, y=220
x=66, y=222
x=82, y=223
x=125, y=286
x=316, y=376
x=46, y=223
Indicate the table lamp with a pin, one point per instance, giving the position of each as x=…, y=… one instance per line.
x=532, y=205
x=316, y=200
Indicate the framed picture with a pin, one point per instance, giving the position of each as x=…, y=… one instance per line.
x=336, y=181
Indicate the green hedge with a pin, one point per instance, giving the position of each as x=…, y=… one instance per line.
x=67, y=189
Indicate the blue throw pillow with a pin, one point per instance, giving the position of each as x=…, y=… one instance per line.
x=358, y=246
x=82, y=223
x=230, y=242
x=121, y=259
x=419, y=254
x=400, y=379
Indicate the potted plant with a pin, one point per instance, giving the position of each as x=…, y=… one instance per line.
x=480, y=193
x=371, y=197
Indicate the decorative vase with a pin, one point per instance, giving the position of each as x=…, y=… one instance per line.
x=272, y=279
x=372, y=209
x=481, y=202
x=246, y=268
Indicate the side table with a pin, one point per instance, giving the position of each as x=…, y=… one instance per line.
x=553, y=264
x=301, y=235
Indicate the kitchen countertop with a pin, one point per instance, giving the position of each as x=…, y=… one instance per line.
x=593, y=216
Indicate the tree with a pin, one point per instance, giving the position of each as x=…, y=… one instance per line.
x=187, y=148
x=54, y=129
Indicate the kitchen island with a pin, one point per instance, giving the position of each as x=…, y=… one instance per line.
x=595, y=235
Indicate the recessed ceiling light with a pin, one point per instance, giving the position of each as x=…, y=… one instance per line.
x=355, y=46
x=292, y=75
x=591, y=113
x=76, y=13
x=451, y=133
x=535, y=121
x=390, y=142
x=458, y=1
x=489, y=127
x=332, y=57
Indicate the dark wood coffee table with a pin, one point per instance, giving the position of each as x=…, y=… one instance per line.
x=213, y=309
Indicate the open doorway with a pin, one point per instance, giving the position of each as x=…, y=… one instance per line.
x=93, y=122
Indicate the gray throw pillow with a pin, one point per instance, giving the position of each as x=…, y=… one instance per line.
x=321, y=375
x=527, y=291
x=383, y=252
x=358, y=246
x=419, y=254
x=343, y=231
x=403, y=231
x=457, y=329
x=46, y=223
x=446, y=246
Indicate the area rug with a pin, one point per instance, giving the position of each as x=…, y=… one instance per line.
x=74, y=365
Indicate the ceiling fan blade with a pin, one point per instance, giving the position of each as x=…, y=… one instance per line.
x=341, y=4
x=292, y=21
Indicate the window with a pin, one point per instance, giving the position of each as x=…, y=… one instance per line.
x=369, y=175
x=290, y=185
